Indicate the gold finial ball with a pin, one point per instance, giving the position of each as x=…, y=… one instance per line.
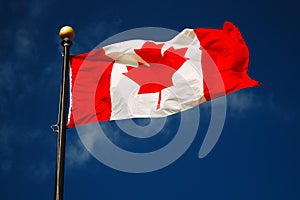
x=66, y=31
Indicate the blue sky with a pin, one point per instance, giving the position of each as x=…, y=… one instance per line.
x=256, y=157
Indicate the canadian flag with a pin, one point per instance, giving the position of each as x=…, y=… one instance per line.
x=142, y=79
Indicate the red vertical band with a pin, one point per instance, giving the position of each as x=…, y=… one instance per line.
x=227, y=50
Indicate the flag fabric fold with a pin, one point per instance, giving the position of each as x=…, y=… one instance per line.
x=141, y=79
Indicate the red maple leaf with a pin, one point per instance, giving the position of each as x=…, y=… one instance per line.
x=157, y=74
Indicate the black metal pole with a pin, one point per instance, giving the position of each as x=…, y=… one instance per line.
x=67, y=35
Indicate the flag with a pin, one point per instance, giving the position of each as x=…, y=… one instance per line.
x=142, y=79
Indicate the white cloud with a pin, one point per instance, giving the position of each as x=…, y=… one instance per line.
x=242, y=101
x=23, y=32
x=40, y=171
x=76, y=154
x=24, y=43
x=11, y=157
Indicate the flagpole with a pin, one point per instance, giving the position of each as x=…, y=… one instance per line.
x=67, y=34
